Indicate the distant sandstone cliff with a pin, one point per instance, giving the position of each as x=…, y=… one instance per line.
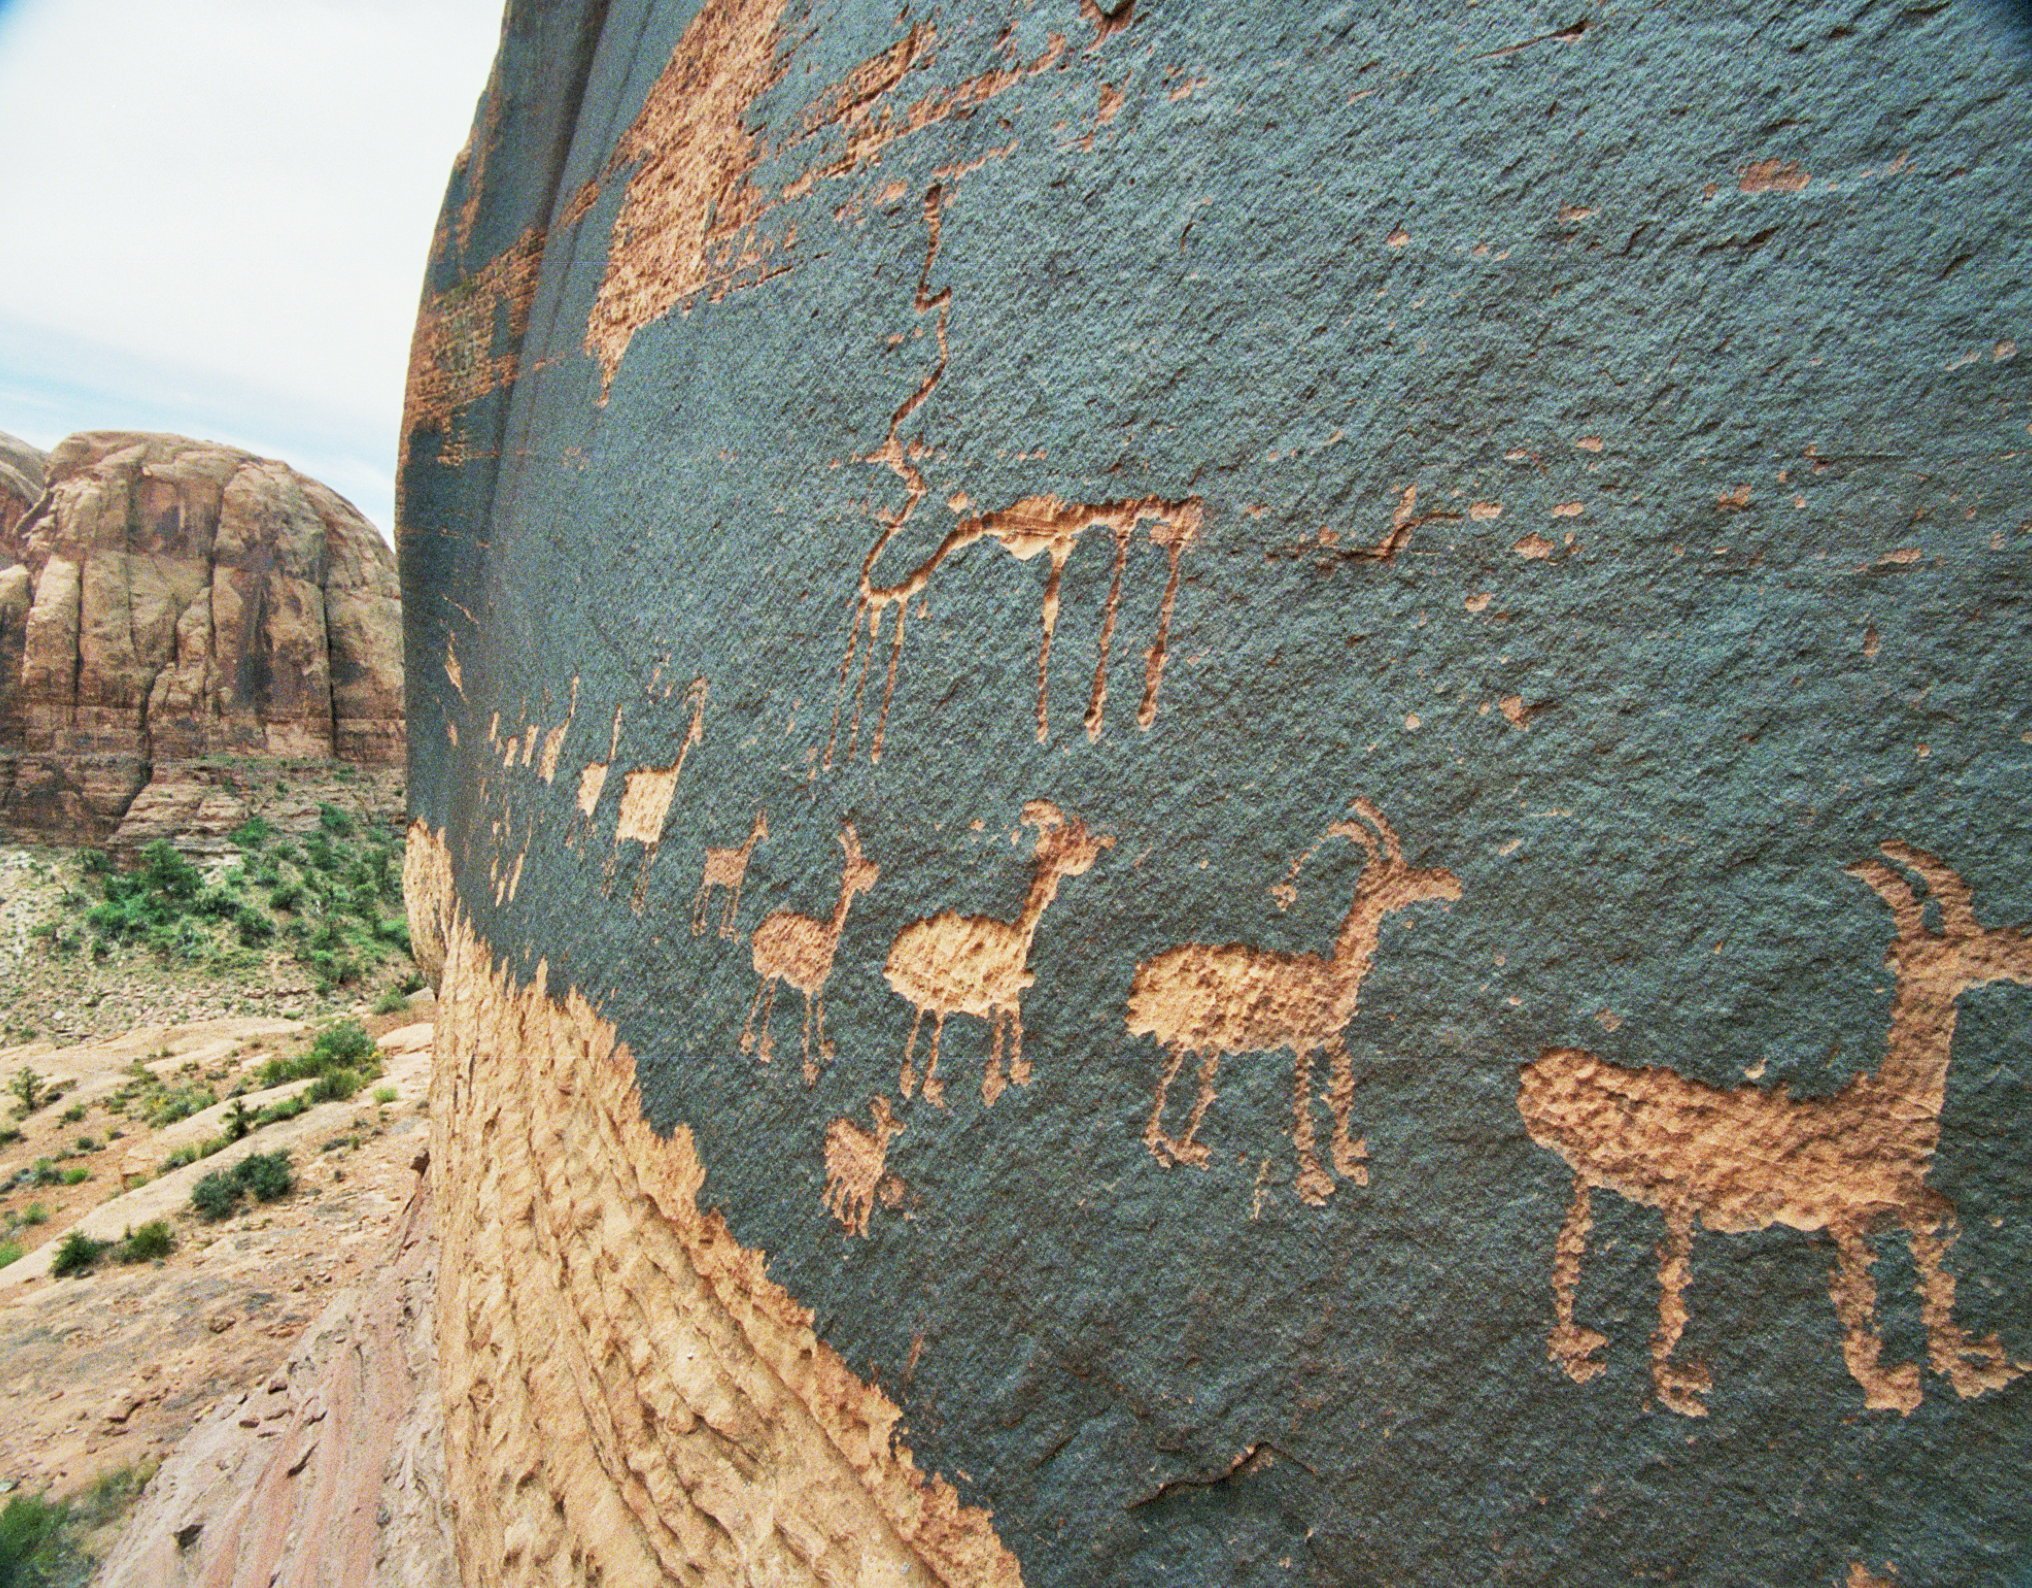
x=170, y=610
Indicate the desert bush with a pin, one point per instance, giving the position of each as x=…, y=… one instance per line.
x=77, y=1253
x=385, y=1094
x=342, y=1046
x=35, y=1213
x=73, y=1115
x=29, y=1090
x=253, y=833
x=216, y=1195
x=391, y=1002
x=77, y=1176
x=192, y=1151
x=266, y=1176
x=10, y=1252
x=152, y=1241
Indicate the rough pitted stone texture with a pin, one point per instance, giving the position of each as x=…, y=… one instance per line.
x=1231, y=794
x=176, y=602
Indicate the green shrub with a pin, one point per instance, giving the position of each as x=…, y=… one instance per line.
x=9, y=1135
x=266, y=1174
x=334, y=821
x=153, y=1241
x=391, y=1002
x=240, y=1119
x=35, y=1213
x=95, y=863
x=285, y=896
x=177, y=1102
x=77, y=1253
x=29, y=1090
x=253, y=833
x=216, y=1195
x=77, y=1176
x=385, y=1094
x=73, y=1115
x=10, y=1252
x=191, y=1152
x=343, y=1045
x=35, y=1543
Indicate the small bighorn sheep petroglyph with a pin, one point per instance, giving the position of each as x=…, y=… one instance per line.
x=1210, y=1000
x=728, y=869
x=953, y=964
x=1748, y=1158
x=1035, y=526
x=799, y=949
x=854, y=1162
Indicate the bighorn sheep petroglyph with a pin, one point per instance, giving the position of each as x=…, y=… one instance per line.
x=799, y=949
x=1748, y=1158
x=854, y=1161
x=728, y=869
x=953, y=964
x=1210, y=1000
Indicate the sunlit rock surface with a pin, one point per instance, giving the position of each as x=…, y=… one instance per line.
x=1230, y=794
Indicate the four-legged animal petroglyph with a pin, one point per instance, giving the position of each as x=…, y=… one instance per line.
x=646, y=794
x=854, y=1160
x=1036, y=526
x=951, y=964
x=1852, y=1164
x=799, y=949
x=728, y=869
x=1215, y=999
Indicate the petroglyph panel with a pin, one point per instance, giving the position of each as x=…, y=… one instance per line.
x=1341, y=599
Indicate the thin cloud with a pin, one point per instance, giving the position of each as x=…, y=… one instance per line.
x=220, y=212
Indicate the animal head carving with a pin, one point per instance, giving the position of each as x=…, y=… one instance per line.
x=1065, y=845
x=1960, y=948
x=1387, y=875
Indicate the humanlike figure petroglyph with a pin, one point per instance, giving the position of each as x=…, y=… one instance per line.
x=855, y=1159
x=1216, y=999
x=1749, y=1158
x=953, y=964
x=1035, y=526
x=799, y=949
x=728, y=869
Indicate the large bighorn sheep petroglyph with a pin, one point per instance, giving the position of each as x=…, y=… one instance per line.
x=726, y=868
x=1853, y=1164
x=855, y=1158
x=799, y=949
x=1210, y=1000
x=952, y=964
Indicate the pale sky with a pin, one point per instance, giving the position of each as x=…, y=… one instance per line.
x=214, y=217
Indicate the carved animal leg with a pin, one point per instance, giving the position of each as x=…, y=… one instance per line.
x=934, y=1088
x=698, y=909
x=1314, y=1184
x=1855, y=1303
x=1097, y=703
x=1161, y=1146
x=1974, y=1367
x=826, y=1050
x=1348, y=1155
x=906, y=1080
x=888, y=693
x=1153, y=663
x=1058, y=556
x=1187, y=1149
x=1571, y=1346
x=1019, y=1067
x=732, y=910
x=1679, y=1386
x=991, y=1077
x=765, y=1000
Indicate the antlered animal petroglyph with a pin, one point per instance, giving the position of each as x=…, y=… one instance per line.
x=799, y=949
x=953, y=964
x=1211, y=1000
x=855, y=1159
x=728, y=869
x=1749, y=1158
x=1035, y=526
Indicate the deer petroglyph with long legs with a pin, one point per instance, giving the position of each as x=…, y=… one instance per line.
x=1212, y=1000
x=799, y=949
x=726, y=868
x=856, y=1158
x=1852, y=1164
x=952, y=964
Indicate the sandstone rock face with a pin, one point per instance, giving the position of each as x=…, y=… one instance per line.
x=21, y=471
x=1230, y=795
x=176, y=603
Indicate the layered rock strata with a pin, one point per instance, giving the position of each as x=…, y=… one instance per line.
x=178, y=612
